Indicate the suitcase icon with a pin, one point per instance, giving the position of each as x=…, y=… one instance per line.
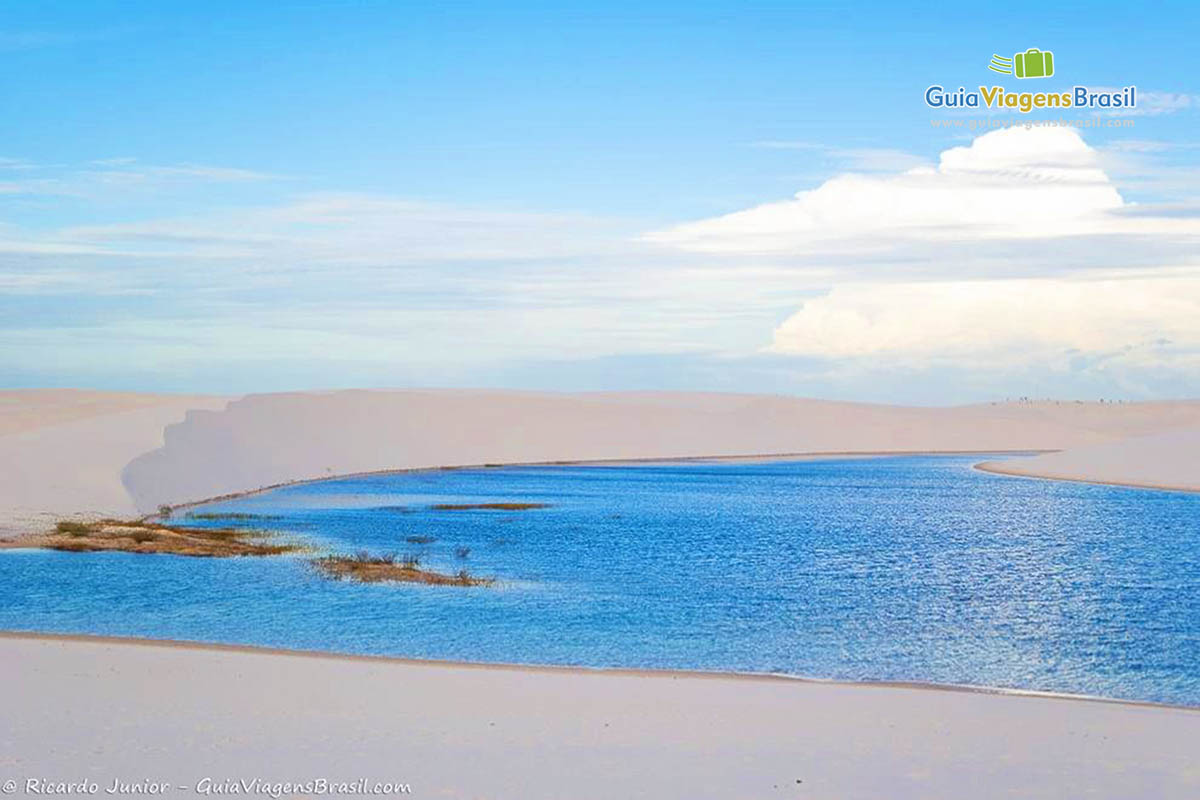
x=1034, y=63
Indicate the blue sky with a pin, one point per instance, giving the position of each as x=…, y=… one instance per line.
x=257, y=196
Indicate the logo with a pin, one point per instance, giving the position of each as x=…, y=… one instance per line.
x=1033, y=63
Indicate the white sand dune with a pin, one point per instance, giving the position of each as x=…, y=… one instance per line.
x=1166, y=460
x=98, y=710
x=263, y=440
x=63, y=451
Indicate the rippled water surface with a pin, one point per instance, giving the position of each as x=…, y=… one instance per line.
x=908, y=568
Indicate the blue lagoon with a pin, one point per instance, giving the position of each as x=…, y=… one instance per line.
x=908, y=568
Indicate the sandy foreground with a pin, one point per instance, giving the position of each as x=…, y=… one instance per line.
x=101, y=710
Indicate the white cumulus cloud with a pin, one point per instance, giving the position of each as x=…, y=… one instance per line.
x=999, y=322
x=1014, y=183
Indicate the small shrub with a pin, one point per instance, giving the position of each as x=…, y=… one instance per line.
x=73, y=528
x=235, y=516
x=488, y=506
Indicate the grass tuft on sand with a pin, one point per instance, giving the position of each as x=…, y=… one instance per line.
x=366, y=568
x=231, y=516
x=488, y=506
x=140, y=536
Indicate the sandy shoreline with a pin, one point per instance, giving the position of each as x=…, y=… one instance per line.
x=103, y=709
x=1017, y=471
x=659, y=674
x=1169, y=460
x=752, y=458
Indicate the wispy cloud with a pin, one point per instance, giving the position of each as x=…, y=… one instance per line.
x=15, y=41
x=865, y=159
x=103, y=176
x=1151, y=167
x=130, y=171
x=784, y=144
x=1137, y=146
x=355, y=229
x=113, y=162
x=876, y=159
x=15, y=164
x=1159, y=102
